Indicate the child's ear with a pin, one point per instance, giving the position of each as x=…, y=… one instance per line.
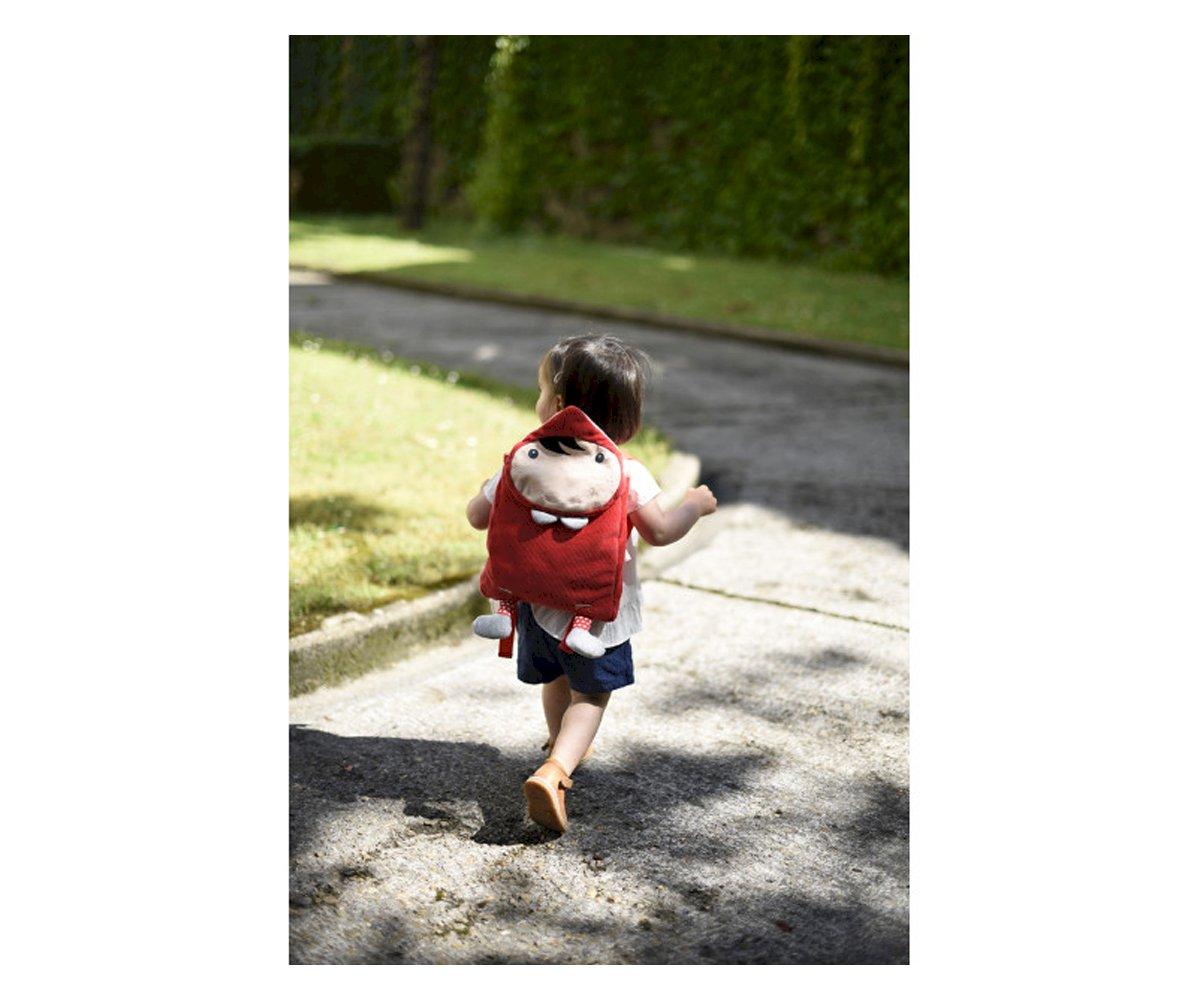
x=558, y=404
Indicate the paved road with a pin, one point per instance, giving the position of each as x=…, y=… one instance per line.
x=820, y=439
x=749, y=802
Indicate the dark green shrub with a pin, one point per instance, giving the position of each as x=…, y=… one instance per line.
x=766, y=146
x=788, y=147
x=337, y=174
x=361, y=87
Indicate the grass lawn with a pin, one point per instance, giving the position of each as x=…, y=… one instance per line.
x=861, y=308
x=384, y=456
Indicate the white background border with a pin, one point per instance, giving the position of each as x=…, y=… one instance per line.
x=1054, y=493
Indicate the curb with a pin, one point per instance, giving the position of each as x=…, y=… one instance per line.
x=731, y=331
x=351, y=644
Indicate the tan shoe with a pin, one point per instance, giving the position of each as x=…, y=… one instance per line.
x=546, y=795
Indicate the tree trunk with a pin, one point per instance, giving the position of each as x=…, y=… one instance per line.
x=344, y=83
x=418, y=142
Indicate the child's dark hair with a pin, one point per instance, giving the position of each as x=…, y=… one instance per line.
x=603, y=377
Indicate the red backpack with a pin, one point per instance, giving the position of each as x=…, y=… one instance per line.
x=559, y=526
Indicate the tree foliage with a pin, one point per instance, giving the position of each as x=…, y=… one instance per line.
x=787, y=147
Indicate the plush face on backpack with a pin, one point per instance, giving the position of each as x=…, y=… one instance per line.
x=566, y=474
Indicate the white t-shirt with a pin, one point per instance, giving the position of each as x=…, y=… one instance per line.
x=629, y=615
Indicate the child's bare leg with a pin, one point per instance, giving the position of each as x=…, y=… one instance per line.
x=556, y=697
x=579, y=724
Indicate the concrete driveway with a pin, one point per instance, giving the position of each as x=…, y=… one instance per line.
x=749, y=798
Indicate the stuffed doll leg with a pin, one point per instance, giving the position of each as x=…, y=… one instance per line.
x=580, y=640
x=499, y=625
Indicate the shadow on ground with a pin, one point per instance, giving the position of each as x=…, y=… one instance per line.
x=337, y=510
x=329, y=770
x=780, y=703
x=427, y=774
x=687, y=824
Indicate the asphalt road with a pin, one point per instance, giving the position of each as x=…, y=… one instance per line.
x=749, y=798
x=821, y=439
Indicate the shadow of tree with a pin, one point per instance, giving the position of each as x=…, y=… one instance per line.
x=742, y=690
x=337, y=510
x=429, y=775
x=471, y=790
x=879, y=829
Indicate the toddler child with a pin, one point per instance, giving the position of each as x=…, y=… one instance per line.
x=605, y=379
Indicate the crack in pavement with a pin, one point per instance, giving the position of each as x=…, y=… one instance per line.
x=781, y=604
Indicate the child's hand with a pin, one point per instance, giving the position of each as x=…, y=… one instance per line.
x=702, y=499
x=479, y=510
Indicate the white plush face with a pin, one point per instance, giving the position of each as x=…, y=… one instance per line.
x=566, y=474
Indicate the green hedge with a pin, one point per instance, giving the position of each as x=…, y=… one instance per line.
x=762, y=146
x=789, y=147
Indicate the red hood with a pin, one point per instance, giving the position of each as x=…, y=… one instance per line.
x=572, y=422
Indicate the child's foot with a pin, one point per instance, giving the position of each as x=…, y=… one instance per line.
x=493, y=626
x=546, y=795
x=584, y=643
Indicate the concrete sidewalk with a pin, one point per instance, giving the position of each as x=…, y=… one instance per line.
x=748, y=801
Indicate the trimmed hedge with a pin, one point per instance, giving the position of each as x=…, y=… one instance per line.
x=768, y=146
x=788, y=147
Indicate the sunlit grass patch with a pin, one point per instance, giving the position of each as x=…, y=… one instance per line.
x=353, y=249
x=794, y=298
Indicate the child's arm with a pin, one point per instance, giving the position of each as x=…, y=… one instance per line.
x=479, y=510
x=661, y=527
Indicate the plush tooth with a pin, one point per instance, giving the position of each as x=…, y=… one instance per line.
x=574, y=523
x=541, y=517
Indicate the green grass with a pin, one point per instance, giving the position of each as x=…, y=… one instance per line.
x=859, y=308
x=384, y=455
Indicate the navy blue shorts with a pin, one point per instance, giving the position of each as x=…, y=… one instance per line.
x=539, y=660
